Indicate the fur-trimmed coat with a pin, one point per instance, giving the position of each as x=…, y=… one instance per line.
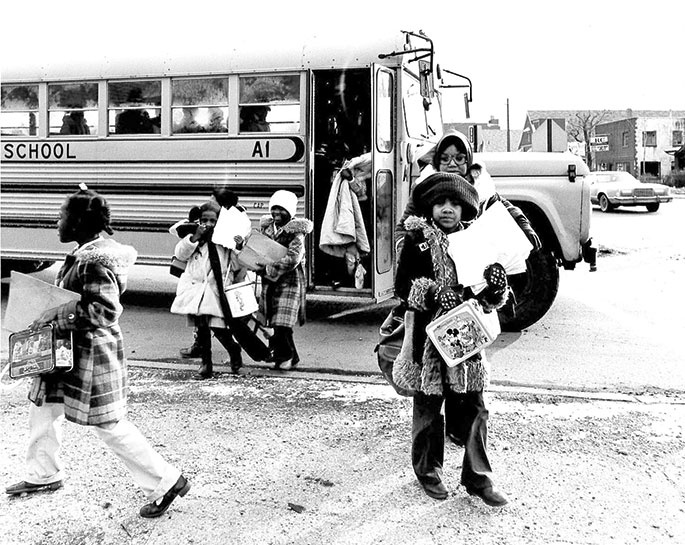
x=95, y=391
x=424, y=267
x=283, y=300
x=515, y=212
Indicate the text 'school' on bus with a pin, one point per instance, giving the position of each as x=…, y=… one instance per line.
x=156, y=138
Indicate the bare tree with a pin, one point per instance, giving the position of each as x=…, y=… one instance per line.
x=581, y=126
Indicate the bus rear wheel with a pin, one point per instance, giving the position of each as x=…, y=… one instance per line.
x=535, y=291
x=23, y=266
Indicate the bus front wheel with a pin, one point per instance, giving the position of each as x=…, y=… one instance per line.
x=23, y=266
x=535, y=291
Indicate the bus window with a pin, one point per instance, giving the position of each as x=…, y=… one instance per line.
x=199, y=105
x=134, y=107
x=384, y=112
x=19, y=116
x=73, y=108
x=384, y=199
x=270, y=104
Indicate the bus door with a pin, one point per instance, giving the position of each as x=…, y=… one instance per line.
x=341, y=123
x=383, y=181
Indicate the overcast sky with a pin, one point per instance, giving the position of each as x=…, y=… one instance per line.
x=588, y=54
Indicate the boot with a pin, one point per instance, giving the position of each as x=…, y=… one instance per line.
x=206, y=369
x=226, y=339
x=280, y=347
x=296, y=357
x=195, y=349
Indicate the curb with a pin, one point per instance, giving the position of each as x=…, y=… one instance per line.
x=366, y=377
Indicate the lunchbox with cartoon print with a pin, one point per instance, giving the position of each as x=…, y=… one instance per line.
x=463, y=331
x=38, y=352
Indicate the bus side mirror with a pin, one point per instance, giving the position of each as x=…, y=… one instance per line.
x=426, y=81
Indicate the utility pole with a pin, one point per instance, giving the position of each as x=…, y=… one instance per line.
x=508, y=131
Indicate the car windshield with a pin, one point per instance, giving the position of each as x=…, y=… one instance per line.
x=615, y=177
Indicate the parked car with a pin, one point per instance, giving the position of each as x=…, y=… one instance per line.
x=611, y=189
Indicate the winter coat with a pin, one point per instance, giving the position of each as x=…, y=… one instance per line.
x=283, y=300
x=343, y=224
x=424, y=266
x=94, y=392
x=197, y=292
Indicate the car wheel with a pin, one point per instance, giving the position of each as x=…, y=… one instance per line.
x=604, y=204
x=535, y=291
x=653, y=207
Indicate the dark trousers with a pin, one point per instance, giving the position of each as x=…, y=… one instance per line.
x=465, y=412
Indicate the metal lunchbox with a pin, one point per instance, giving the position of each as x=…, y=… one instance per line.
x=463, y=331
x=241, y=298
x=38, y=352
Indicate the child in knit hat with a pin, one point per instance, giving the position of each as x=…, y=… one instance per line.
x=284, y=281
x=427, y=283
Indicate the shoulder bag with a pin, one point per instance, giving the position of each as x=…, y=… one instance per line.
x=390, y=339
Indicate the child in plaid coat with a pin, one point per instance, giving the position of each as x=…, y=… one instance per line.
x=284, y=282
x=94, y=392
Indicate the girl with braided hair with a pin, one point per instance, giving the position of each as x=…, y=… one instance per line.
x=94, y=392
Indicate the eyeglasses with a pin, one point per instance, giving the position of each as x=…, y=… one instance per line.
x=459, y=159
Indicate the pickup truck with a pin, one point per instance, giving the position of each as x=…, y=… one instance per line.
x=552, y=191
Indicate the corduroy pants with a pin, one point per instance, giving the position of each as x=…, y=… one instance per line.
x=466, y=412
x=43, y=465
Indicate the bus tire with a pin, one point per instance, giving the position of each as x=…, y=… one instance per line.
x=535, y=291
x=23, y=266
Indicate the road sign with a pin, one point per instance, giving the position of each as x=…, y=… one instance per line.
x=599, y=147
x=599, y=139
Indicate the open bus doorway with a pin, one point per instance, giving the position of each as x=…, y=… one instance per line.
x=342, y=131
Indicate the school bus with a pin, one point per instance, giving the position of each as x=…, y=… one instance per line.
x=155, y=136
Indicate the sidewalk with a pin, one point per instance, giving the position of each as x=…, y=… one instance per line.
x=276, y=460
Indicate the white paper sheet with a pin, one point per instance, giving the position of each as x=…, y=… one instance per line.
x=29, y=297
x=494, y=237
x=231, y=222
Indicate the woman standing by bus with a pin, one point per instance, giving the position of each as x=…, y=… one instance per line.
x=94, y=392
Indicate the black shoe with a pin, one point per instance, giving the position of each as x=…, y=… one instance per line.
x=27, y=488
x=435, y=490
x=154, y=509
x=236, y=362
x=454, y=439
x=490, y=495
x=278, y=359
x=193, y=351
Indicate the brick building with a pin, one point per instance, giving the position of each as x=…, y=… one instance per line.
x=643, y=146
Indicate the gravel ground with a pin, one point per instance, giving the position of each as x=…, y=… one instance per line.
x=286, y=460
